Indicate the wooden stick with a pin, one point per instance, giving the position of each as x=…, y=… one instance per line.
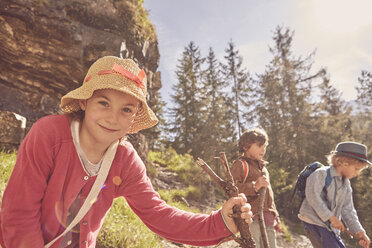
x=211, y=173
x=245, y=241
x=261, y=221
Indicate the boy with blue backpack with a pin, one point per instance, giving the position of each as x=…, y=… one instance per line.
x=328, y=198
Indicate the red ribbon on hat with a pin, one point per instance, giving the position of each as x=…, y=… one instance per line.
x=125, y=73
x=356, y=154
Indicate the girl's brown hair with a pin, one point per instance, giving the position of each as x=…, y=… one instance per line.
x=249, y=137
x=77, y=115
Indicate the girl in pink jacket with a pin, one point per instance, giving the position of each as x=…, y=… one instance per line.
x=62, y=156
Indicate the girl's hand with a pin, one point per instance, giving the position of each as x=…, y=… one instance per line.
x=363, y=239
x=336, y=223
x=227, y=211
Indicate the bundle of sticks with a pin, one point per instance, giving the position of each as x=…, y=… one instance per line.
x=245, y=240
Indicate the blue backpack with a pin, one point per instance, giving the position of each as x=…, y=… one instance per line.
x=300, y=186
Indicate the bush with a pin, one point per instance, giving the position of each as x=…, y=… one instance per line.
x=181, y=164
x=188, y=172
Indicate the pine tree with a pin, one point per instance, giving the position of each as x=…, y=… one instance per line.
x=331, y=120
x=362, y=123
x=217, y=133
x=284, y=110
x=285, y=90
x=155, y=136
x=365, y=88
x=239, y=79
x=331, y=98
x=362, y=192
x=362, y=126
x=186, y=115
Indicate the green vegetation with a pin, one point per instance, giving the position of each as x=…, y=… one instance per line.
x=183, y=165
x=286, y=233
x=188, y=173
x=175, y=197
x=122, y=228
x=140, y=25
x=7, y=161
x=142, y=20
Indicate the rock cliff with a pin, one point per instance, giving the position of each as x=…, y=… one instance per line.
x=46, y=47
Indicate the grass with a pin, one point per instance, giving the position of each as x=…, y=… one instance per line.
x=7, y=161
x=183, y=165
x=174, y=197
x=122, y=228
x=188, y=172
x=286, y=233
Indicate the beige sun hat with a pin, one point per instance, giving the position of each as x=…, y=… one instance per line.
x=119, y=74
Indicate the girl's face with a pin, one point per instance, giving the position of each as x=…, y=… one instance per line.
x=109, y=115
x=256, y=151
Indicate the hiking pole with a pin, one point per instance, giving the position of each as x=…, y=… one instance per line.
x=245, y=240
x=261, y=221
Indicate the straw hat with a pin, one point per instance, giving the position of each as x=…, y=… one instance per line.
x=119, y=74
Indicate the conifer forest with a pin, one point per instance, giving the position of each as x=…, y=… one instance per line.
x=215, y=100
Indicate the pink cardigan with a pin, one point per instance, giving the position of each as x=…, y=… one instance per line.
x=48, y=176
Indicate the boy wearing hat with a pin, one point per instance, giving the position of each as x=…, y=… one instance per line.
x=325, y=207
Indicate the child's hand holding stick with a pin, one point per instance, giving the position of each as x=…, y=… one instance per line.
x=231, y=190
x=362, y=238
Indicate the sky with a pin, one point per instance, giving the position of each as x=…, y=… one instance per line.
x=340, y=31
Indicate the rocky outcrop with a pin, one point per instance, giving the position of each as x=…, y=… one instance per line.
x=46, y=47
x=12, y=130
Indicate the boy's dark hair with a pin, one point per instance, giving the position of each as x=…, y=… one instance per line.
x=251, y=136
